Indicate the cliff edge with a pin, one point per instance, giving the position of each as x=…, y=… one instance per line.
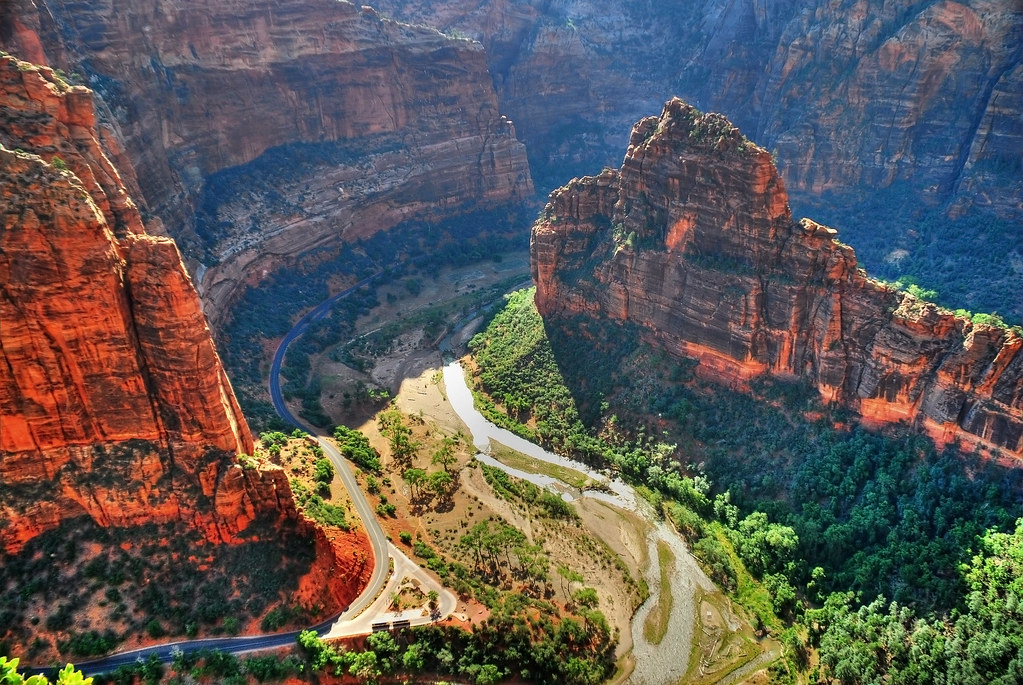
x=264, y=130
x=112, y=396
x=693, y=240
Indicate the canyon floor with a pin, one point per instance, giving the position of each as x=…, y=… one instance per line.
x=397, y=344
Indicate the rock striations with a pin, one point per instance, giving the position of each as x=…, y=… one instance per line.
x=378, y=121
x=851, y=93
x=693, y=240
x=113, y=401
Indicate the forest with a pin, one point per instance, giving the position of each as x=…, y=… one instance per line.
x=880, y=557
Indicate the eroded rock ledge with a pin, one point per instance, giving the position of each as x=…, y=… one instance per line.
x=693, y=240
x=393, y=120
x=113, y=401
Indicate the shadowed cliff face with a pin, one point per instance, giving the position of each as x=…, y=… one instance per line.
x=850, y=93
x=111, y=391
x=693, y=240
x=395, y=121
x=886, y=118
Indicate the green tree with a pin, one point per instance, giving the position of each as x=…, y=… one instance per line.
x=384, y=646
x=399, y=436
x=489, y=674
x=323, y=471
x=415, y=479
x=440, y=483
x=763, y=546
x=414, y=658
x=445, y=454
x=586, y=596
x=364, y=665
x=355, y=446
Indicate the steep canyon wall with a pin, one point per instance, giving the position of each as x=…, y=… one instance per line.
x=113, y=401
x=850, y=93
x=390, y=120
x=897, y=122
x=693, y=240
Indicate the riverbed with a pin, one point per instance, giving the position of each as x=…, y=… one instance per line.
x=655, y=664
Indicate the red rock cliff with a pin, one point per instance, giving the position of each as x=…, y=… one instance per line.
x=849, y=91
x=113, y=401
x=396, y=120
x=883, y=114
x=693, y=240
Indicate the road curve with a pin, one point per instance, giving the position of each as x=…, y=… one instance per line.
x=342, y=624
x=376, y=534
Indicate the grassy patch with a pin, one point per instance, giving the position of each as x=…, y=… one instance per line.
x=717, y=650
x=656, y=624
x=748, y=592
x=523, y=462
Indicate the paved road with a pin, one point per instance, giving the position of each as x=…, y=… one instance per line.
x=368, y=608
x=356, y=620
x=405, y=570
x=166, y=651
x=319, y=312
x=376, y=533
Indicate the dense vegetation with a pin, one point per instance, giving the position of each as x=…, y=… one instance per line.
x=981, y=643
x=267, y=311
x=973, y=260
x=827, y=519
x=522, y=638
x=207, y=666
x=150, y=581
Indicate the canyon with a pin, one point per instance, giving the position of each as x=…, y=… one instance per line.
x=850, y=94
x=115, y=405
x=349, y=123
x=896, y=122
x=158, y=159
x=693, y=240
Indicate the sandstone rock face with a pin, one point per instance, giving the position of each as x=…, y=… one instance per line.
x=693, y=240
x=887, y=119
x=850, y=92
x=401, y=120
x=113, y=401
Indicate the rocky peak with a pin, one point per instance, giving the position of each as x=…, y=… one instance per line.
x=676, y=163
x=693, y=240
x=111, y=390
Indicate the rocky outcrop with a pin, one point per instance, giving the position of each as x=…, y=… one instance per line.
x=113, y=401
x=897, y=122
x=390, y=120
x=693, y=240
x=854, y=93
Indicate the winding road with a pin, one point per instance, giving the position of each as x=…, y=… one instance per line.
x=369, y=609
x=356, y=620
x=376, y=534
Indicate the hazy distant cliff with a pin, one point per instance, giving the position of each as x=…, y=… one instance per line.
x=693, y=240
x=378, y=121
x=886, y=118
x=849, y=93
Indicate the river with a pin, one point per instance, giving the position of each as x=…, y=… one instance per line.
x=656, y=664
